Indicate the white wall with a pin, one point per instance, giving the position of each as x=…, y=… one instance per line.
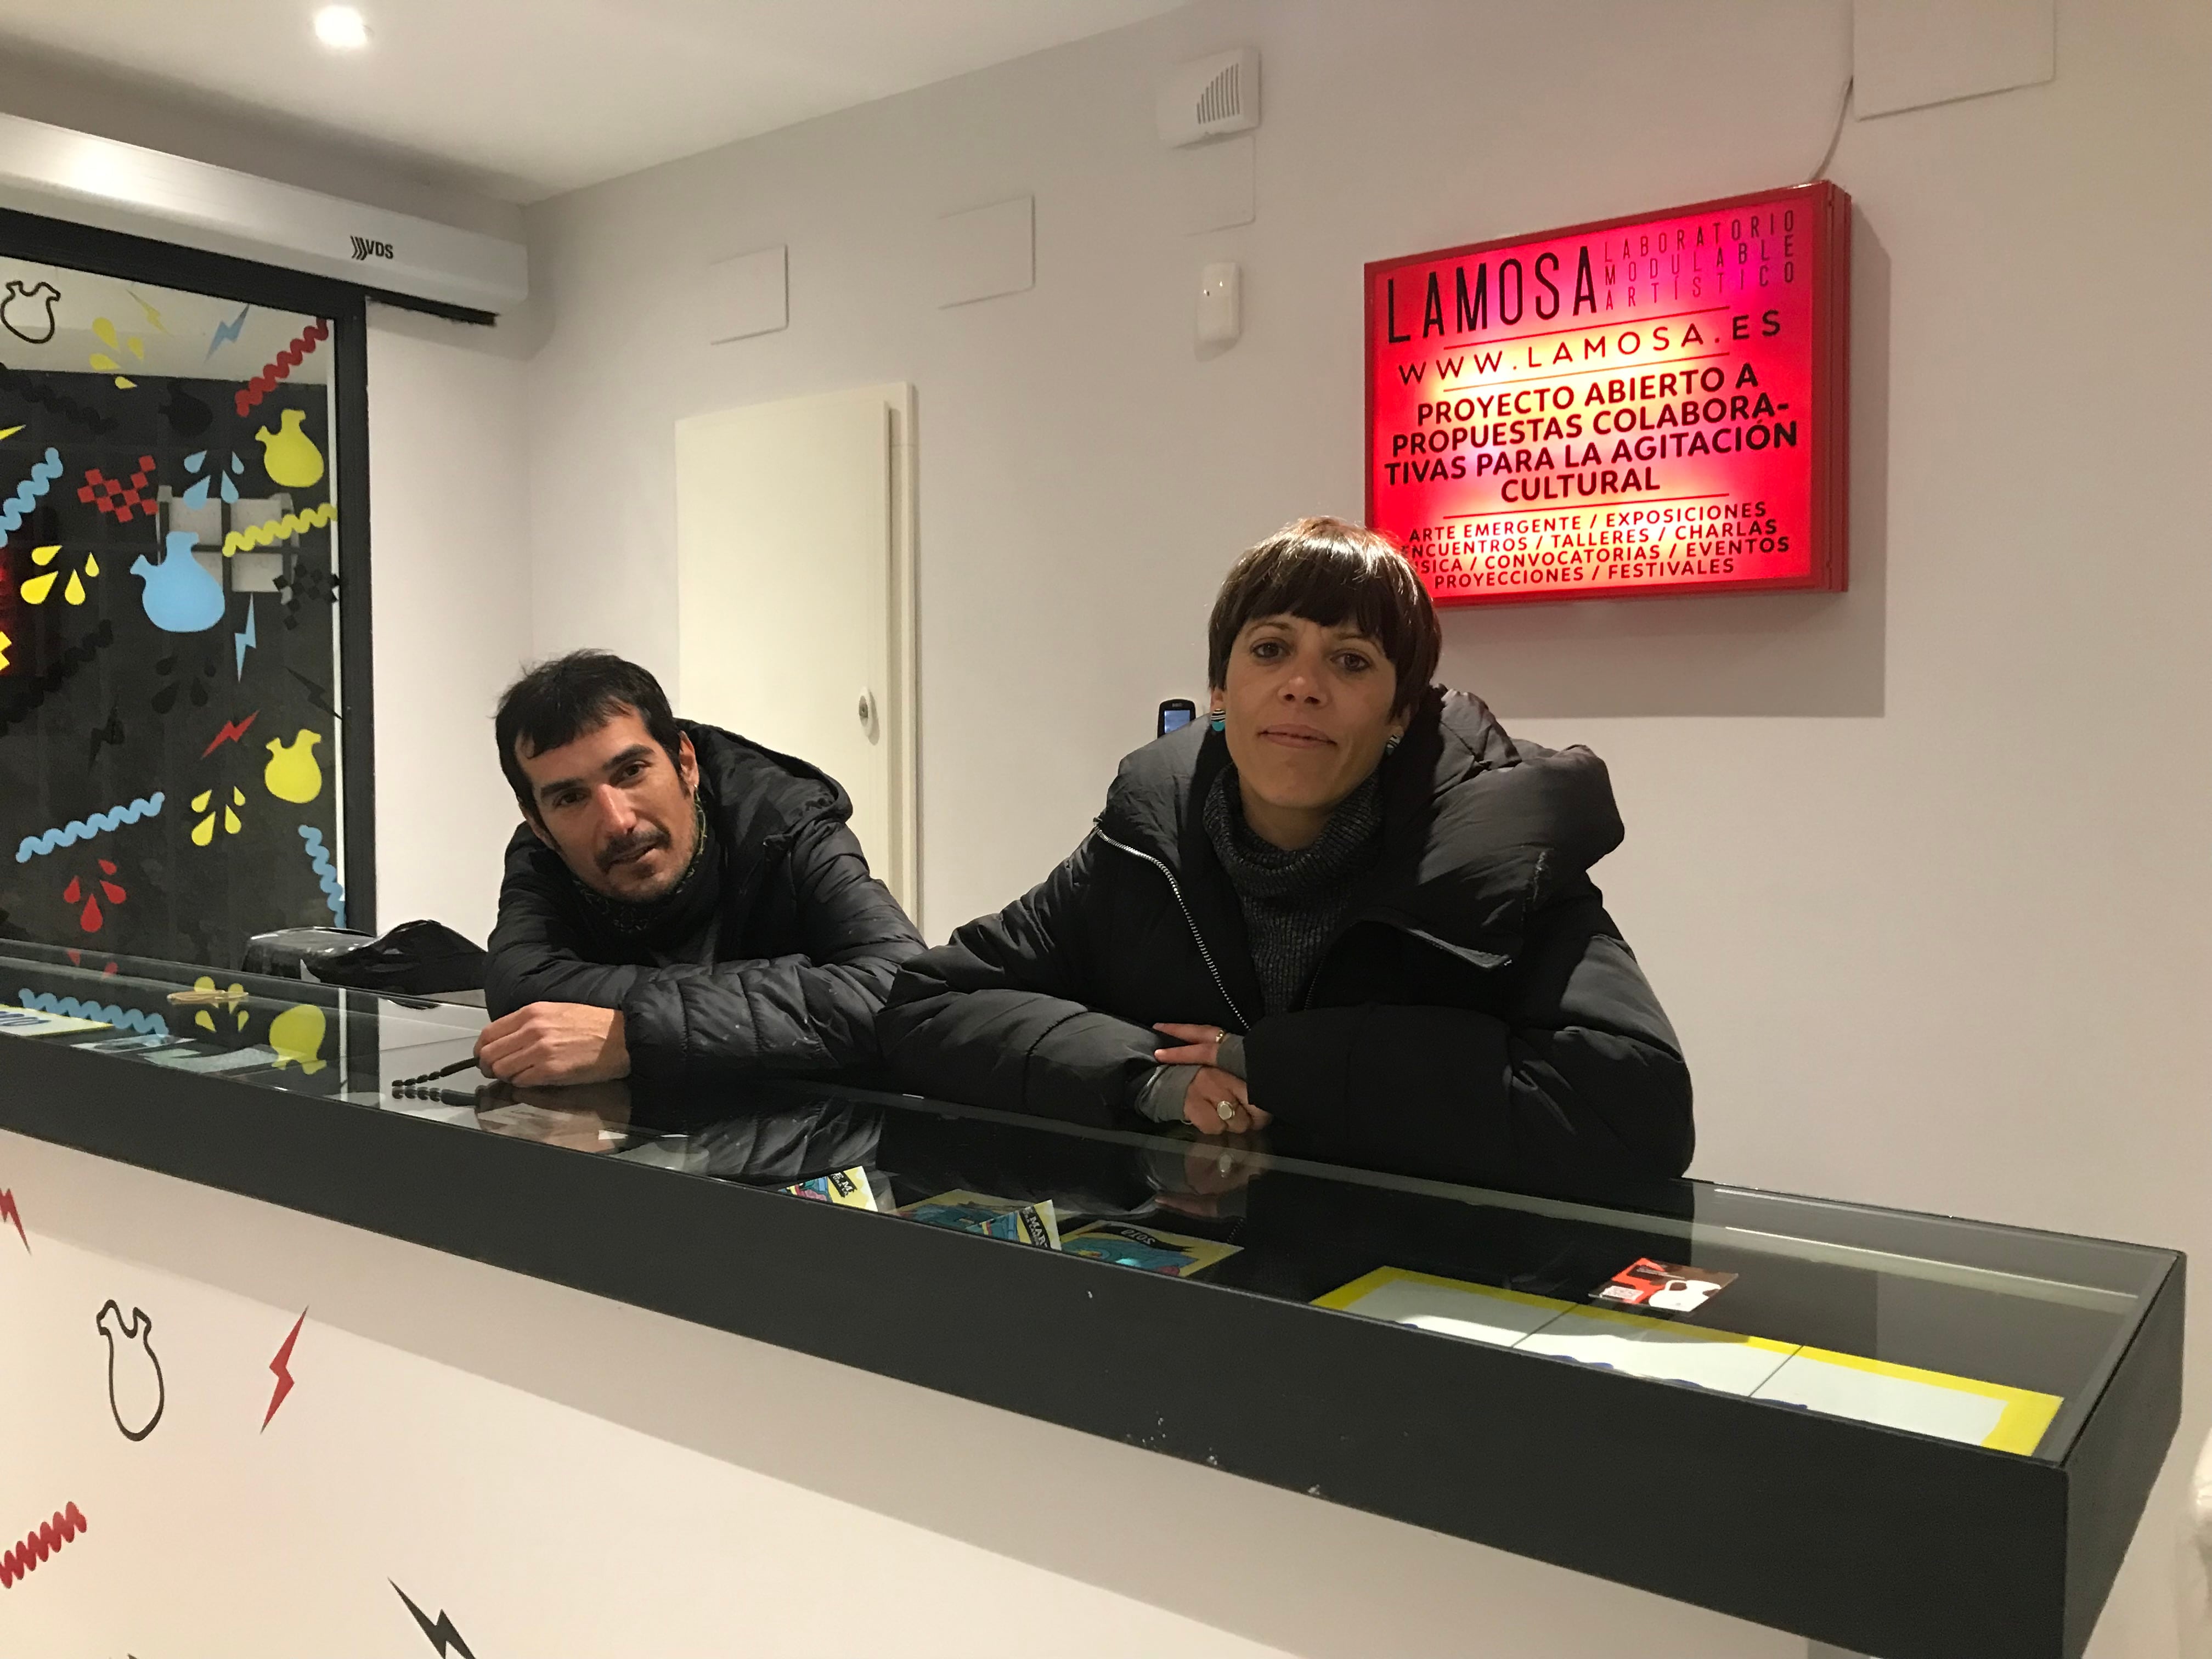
x=449, y=493
x=1919, y=870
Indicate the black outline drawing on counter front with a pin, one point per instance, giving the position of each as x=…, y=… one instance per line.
x=138, y=1328
x=441, y=1631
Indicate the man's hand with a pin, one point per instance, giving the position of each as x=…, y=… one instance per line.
x=555, y=1042
x=1216, y=1104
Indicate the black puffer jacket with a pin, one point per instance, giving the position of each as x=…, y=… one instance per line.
x=806, y=945
x=1477, y=1017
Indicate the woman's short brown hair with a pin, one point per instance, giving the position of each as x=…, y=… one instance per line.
x=1330, y=572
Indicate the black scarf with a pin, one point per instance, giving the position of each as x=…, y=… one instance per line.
x=1292, y=901
x=679, y=925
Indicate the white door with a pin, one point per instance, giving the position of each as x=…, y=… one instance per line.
x=794, y=558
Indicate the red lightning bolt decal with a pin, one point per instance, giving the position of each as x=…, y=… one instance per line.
x=9, y=1212
x=283, y=1376
x=231, y=734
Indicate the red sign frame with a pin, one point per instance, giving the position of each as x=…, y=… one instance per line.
x=1699, y=444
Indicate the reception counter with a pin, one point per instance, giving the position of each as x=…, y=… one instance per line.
x=1902, y=1435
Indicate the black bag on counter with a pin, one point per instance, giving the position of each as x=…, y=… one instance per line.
x=418, y=958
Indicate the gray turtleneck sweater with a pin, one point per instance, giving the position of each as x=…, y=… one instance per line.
x=1291, y=903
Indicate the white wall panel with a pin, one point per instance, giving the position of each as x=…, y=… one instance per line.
x=450, y=505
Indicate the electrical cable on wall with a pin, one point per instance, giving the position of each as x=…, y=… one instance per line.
x=1842, y=112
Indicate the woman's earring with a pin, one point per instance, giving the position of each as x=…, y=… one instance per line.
x=1390, y=744
x=1219, y=719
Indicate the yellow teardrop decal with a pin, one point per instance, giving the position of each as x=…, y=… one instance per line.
x=297, y=1037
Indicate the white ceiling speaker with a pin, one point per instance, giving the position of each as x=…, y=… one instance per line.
x=1209, y=97
x=69, y=175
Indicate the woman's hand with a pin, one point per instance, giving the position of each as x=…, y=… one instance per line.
x=1201, y=1045
x=1216, y=1103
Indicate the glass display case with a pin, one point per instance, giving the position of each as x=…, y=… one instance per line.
x=1901, y=1433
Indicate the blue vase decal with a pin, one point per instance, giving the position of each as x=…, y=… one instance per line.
x=180, y=598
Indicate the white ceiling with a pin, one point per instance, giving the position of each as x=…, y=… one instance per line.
x=529, y=98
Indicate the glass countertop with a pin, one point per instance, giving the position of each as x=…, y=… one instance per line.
x=1980, y=1334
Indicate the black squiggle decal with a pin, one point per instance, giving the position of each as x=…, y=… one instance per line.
x=57, y=403
x=28, y=698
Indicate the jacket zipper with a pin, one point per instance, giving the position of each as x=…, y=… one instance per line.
x=1197, y=937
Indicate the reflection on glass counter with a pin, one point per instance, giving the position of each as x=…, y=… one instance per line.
x=1967, y=1332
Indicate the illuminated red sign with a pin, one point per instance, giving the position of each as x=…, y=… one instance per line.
x=1650, y=405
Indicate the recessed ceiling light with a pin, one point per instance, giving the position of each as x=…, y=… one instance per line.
x=341, y=28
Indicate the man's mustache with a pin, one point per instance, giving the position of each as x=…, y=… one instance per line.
x=634, y=844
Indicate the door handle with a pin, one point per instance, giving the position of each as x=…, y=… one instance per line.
x=867, y=711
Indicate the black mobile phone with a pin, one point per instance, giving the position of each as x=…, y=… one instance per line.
x=1176, y=714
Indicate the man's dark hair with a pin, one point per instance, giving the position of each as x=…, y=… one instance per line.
x=1331, y=572
x=557, y=702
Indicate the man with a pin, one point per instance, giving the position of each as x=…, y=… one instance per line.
x=679, y=904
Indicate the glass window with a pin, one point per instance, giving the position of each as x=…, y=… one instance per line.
x=172, y=759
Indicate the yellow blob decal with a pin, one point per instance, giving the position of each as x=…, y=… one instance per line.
x=288, y=455
x=293, y=774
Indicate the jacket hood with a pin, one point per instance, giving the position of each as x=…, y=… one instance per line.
x=758, y=794
x=1478, y=829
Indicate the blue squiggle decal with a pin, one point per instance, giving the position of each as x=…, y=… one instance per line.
x=18, y=506
x=70, y=834
x=129, y=1019
x=333, y=891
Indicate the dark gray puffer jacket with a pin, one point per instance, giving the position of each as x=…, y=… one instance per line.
x=785, y=973
x=1477, y=1017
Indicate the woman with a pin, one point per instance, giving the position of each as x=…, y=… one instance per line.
x=1348, y=906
